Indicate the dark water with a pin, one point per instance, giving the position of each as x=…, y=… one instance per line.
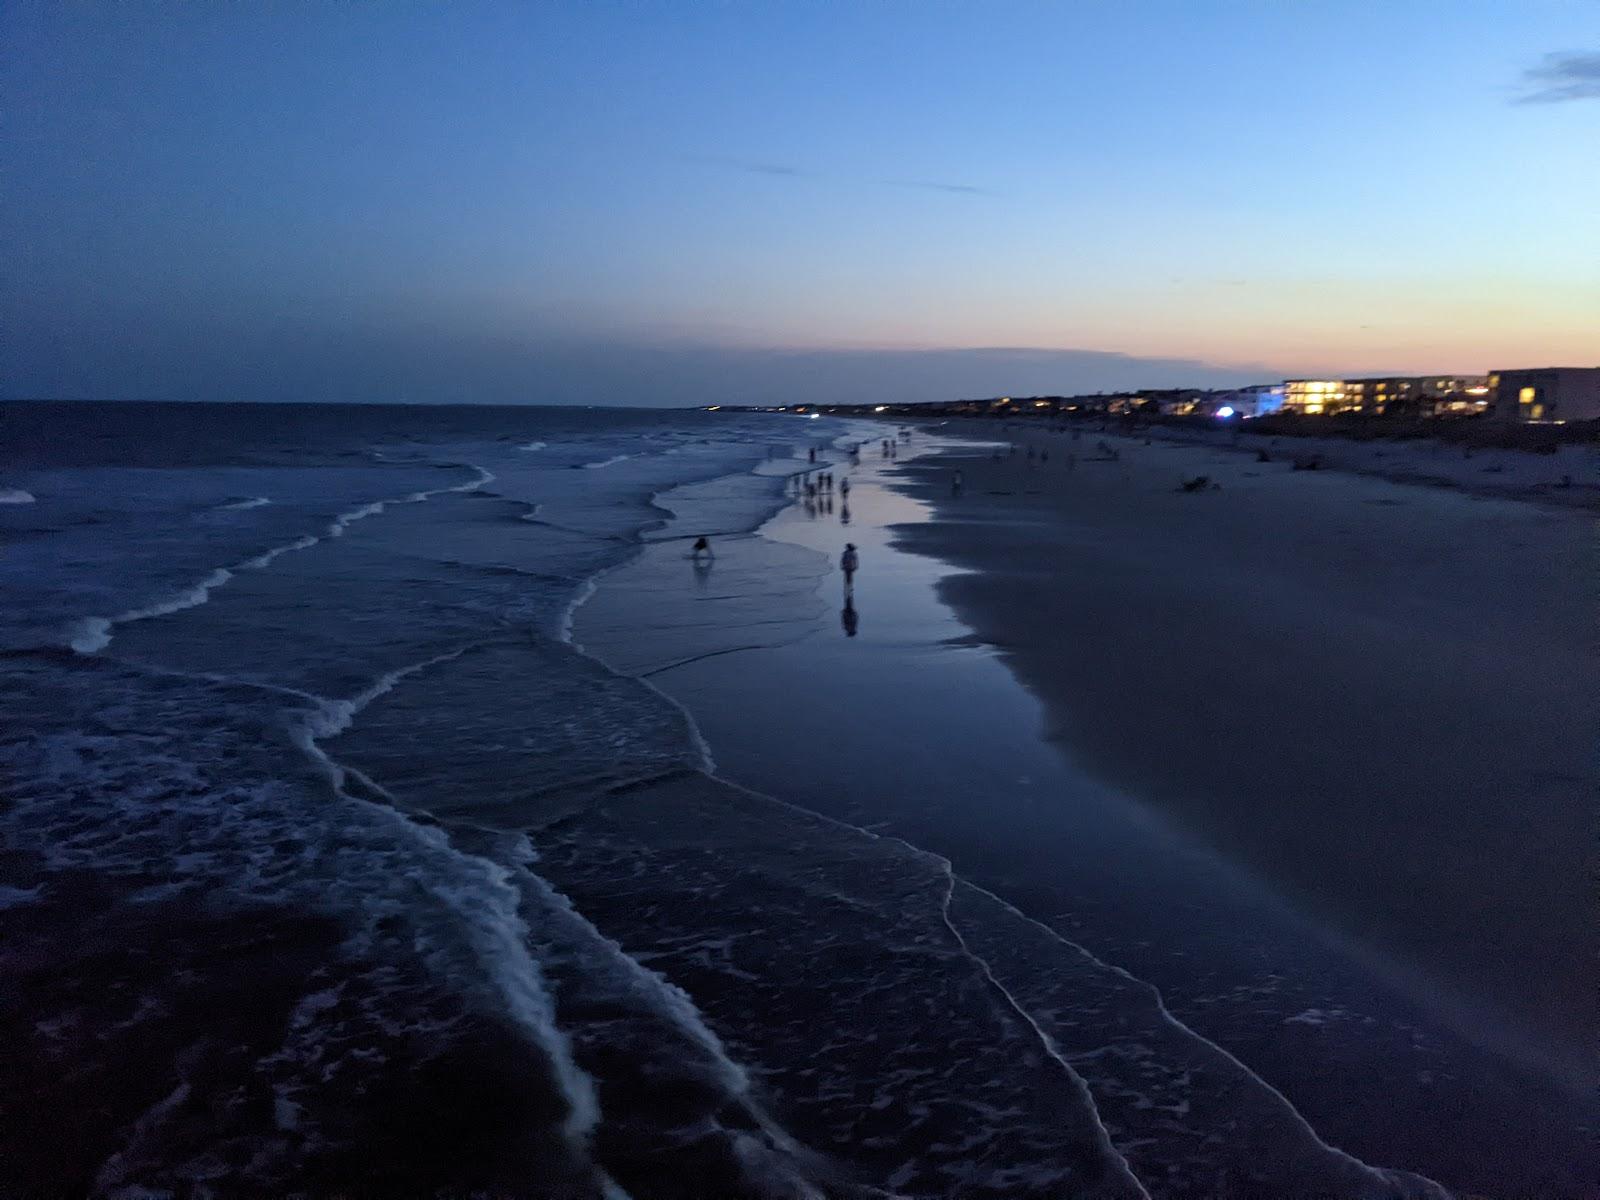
x=330, y=864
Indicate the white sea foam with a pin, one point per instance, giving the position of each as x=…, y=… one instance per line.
x=344, y=520
x=533, y=446
x=90, y=634
x=15, y=496
x=261, y=560
x=775, y=1163
x=239, y=505
x=479, y=894
x=608, y=462
x=1051, y=1049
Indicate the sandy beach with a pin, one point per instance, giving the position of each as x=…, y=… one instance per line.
x=1246, y=776
x=1567, y=476
x=1380, y=697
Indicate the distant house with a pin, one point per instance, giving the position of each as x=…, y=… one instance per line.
x=1557, y=394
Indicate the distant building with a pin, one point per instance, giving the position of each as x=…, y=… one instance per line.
x=1255, y=401
x=1315, y=397
x=1415, y=395
x=1547, y=394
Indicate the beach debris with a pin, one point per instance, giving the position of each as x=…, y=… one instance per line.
x=1307, y=462
x=1199, y=483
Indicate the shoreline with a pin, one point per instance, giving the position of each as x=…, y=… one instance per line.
x=840, y=754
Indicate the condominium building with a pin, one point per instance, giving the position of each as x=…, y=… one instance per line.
x=1420, y=395
x=1557, y=394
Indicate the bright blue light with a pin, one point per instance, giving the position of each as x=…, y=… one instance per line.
x=1224, y=412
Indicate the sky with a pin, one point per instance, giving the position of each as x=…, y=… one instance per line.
x=622, y=201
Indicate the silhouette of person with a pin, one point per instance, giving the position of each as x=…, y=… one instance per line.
x=848, y=616
x=844, y=513
x=849, y=561
x=844, y=487
x=702, y=548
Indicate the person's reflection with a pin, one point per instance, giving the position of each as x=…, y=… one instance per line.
x=844, y=513
x=702, y=569
x=848, y=616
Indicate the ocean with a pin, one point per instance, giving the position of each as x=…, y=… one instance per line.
x=332, y=865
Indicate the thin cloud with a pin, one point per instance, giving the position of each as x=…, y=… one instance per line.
x=755, y=168
x=964, y=189
x=1564, y=76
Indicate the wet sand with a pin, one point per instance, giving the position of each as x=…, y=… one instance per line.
x=895, y=716
x=1380, y=698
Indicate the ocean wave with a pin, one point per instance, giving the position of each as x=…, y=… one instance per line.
x=15, y=496
x=606, y=462
x=89, y=635
x=183, y=793
x=92, y=634
x=164, y=787
x=264, y=558
x=240, y=505
x=532, y=446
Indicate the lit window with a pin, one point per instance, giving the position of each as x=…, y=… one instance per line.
x=1526, y=395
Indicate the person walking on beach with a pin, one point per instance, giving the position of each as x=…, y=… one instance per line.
x=811, y=454
x=702, y=549
x=844, y=487
x=849, y=561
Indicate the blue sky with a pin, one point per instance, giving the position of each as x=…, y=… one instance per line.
x=729, y=202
